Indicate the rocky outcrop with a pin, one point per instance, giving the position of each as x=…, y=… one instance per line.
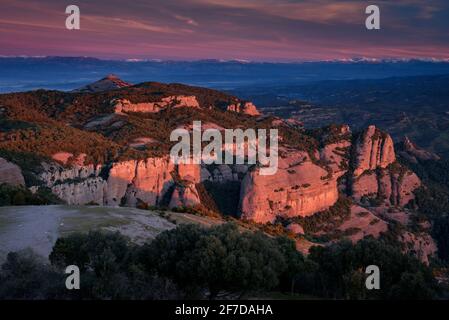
x=88, y=191
x=377, y=178
x=10, y=173
x=184, y=196
x=374, y=149
x=305, y=183
x=124, y=105
x=185, y=193
x=295, y=228
x=54, y=173
x=413, y=153
x=299, y=188
x=302, y=187
x=66, y=157
x=392, y=186
x=124, y=183
x=223, y=173
x=246, y=108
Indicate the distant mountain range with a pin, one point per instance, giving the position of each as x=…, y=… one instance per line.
x=68, y=73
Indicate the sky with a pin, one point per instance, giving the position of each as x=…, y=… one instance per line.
x=256, y=30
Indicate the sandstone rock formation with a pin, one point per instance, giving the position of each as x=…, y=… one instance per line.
x=124, y=105
x=295, y=228
x=374, y=149
x=386, y=185
x=299, y=188
x=123, y=183
x=184, y=196
x=246, y=108
x=10, y=173
x=413, y=153
x=302, y=187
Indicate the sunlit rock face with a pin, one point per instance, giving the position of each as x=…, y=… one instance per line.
x=305, y=183
x=124, y=105
x=377, y=176
x=389, y=187
x=413, y=153
x=374, y=149
x=302, y=187
x=123, y=183
x=299, y=188
x=246, y=108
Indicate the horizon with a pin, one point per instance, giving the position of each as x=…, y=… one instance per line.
x=335, y=60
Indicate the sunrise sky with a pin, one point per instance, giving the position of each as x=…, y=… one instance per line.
x=261, y=30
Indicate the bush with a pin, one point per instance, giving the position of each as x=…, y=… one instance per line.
x=19, y=196
x=339, y=268
x=221, y=260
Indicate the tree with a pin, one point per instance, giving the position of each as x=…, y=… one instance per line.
x=223, y=260
x=296, y=265
x=341, y=268
x=25, y=275
x=108, y=266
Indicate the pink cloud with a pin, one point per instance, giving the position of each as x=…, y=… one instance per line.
x=225, y=29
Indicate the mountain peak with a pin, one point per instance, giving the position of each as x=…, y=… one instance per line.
x=110, y=82
x=111, y=76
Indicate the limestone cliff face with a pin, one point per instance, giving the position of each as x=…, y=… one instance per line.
x=413, y=153
x=387, y=186
x=376, y=175
x=185, y=193
x=88, y=191
x=184, y=196
x=299, y=188
x=224, y=173
x=146, y=180
x=374, y=149
x=302, y=187
x=124, y=105
x=305, y=183
x=54, y=174
x=124, y=183
x=246, y=108
x=10, y=173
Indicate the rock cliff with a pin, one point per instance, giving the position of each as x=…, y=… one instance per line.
x=374, y=149
x=124, y=105
x=124, y=183
x=303, y=186
x=246, y=108
x=413, y=153
x=299, y=188
x=386, y=185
